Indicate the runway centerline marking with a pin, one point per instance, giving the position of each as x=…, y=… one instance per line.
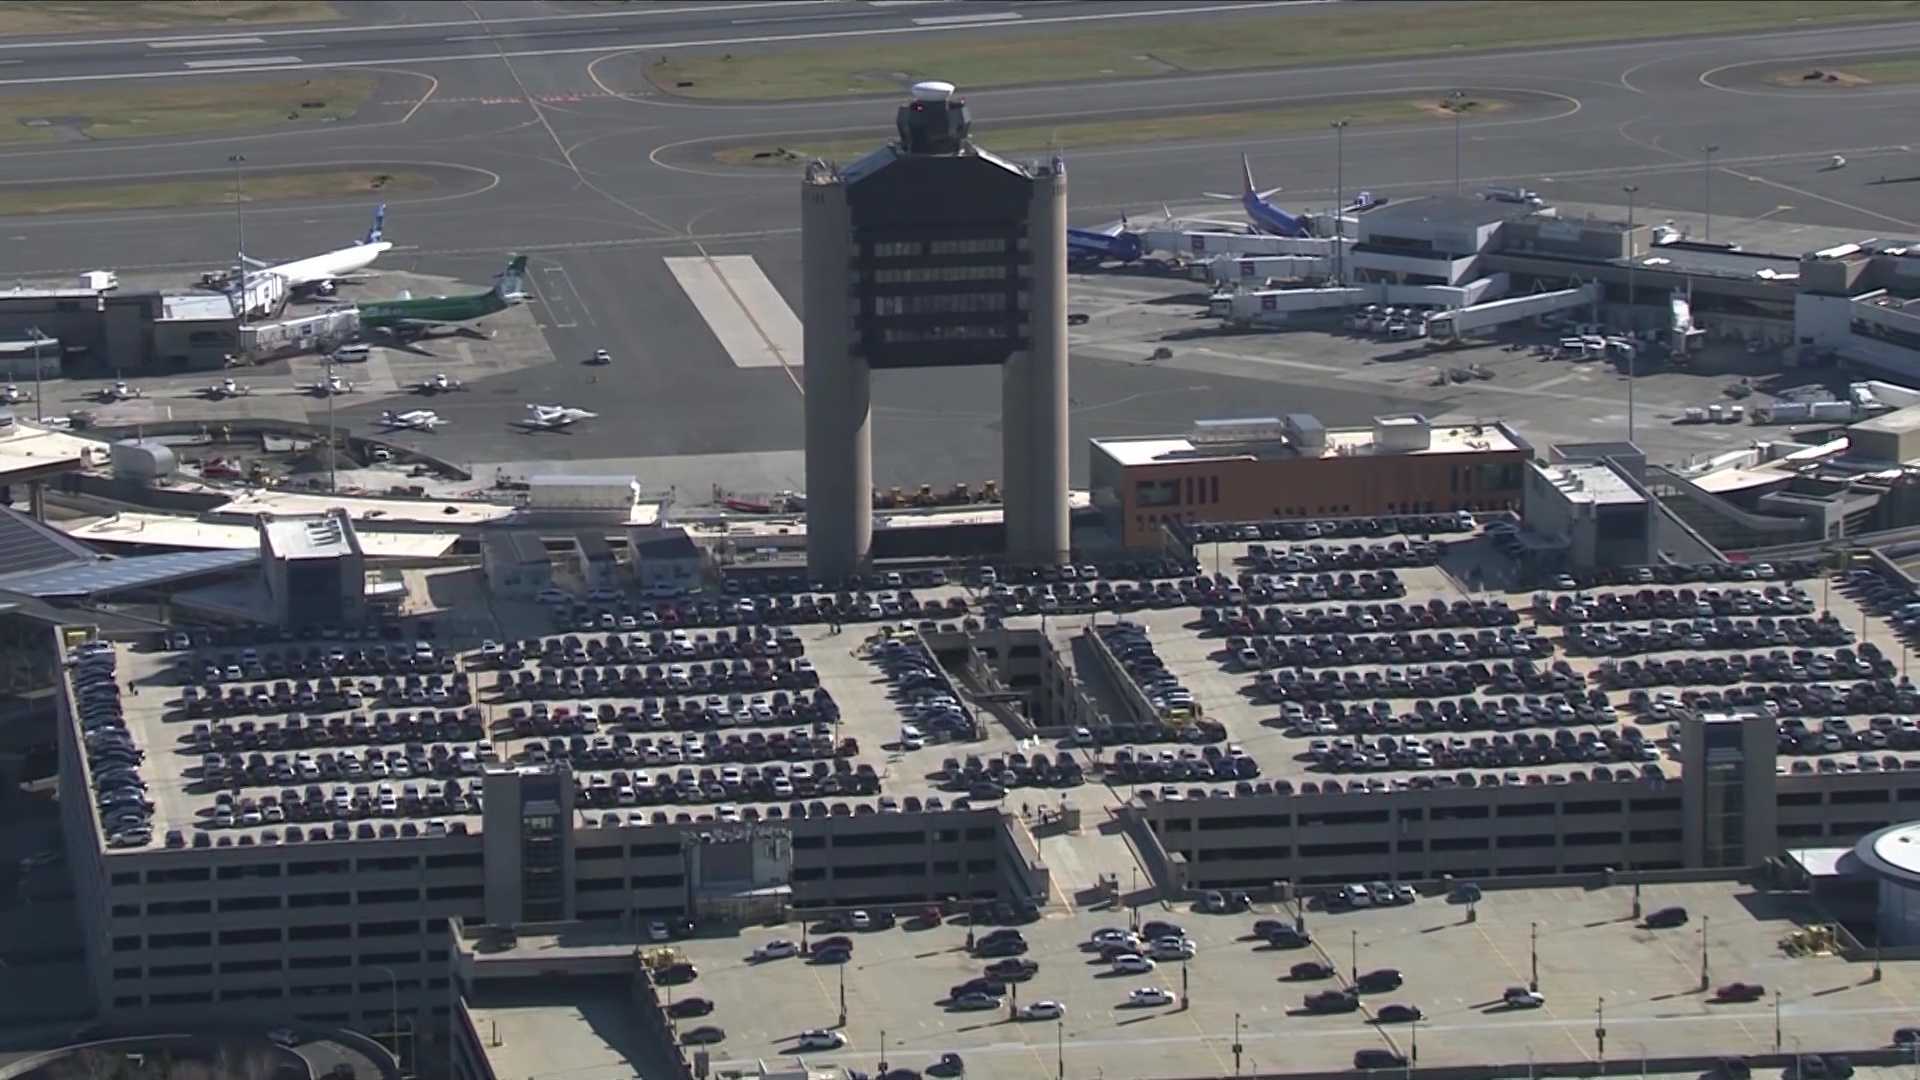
x=966, y=20
x=205, y=43
x=242, y=61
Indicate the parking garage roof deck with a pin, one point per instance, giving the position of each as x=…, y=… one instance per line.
x=1340, y=442
x=857, y=683
x=1455, y=970
x=859, y=687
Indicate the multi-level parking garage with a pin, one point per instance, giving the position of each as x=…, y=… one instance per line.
x=272, y=820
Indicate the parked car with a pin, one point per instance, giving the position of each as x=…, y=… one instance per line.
x=1519, y=997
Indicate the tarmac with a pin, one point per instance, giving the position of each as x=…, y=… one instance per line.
x=595, y=176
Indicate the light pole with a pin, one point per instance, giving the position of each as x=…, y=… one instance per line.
x=240, y=231
x=883, y=1050
x=1706, y=174
x=1236, y=1044
x=842, y=968
x=1776, y=1022
x=333, y=487
x=393, y=983
x=1353, y=954
x=1643, y=1059
x=1456, y=103
x=1339, y=200
x=1600, y=1028
x=1060, y=1048
x=38, y=337
x=1706, y=978
x=1533, y=950
x=1633, y=258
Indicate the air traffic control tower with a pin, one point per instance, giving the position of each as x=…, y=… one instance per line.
x=932, y=252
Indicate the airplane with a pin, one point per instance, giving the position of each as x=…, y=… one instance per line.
x=331, y=385
x=1115, y=241
x=438, y=384
x=226, y=388
x=119, y=391
x=417, y=419
x=406, y=317
x=317, y=273
x=13, y=395
x=1265, y=216
x=553, y=417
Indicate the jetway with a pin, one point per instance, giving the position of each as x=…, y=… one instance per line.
x=311, y=333
x=1270, y=307
x=1254, y=270
x=1453, y=325
x=1203, y=245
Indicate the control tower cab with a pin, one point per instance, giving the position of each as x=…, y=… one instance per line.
x=934, y=120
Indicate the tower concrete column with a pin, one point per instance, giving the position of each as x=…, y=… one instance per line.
x=838, y=403
x=1034, y=390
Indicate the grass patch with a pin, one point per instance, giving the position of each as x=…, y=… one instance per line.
x=1216, y=43
x=325, y=184
x=1891, y=71
x=75, y=16
x=1073, y=135
x=181, y=110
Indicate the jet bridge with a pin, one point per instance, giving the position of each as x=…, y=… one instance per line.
x=1444, y=326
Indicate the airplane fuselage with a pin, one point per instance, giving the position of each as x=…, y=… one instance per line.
x=334, y=264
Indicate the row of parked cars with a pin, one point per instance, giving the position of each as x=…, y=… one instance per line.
x=1801, y=665
x=1462, y=714
x=372, y=763
x=1700, y=635
x=1862, y=698
x=1432, y=680
x=1887, y=596
x=688, y=785
x=253, y=664
x=325, y=694
x=1132, y=647
x=1435, y=614
x=299, y=732
x=1671, y=604
x=1307, y=558
x=1209, y=532
x=700, y=677
x=1261, y=651
x=673, y=713
x=113, y=758
x=1683, y=573
x=1231, y=762
x=1388, y=752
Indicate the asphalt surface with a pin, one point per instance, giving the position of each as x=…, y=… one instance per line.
x=574, y=159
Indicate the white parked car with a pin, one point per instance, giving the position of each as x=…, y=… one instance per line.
x=1150, y=995
x=1170, y=948
x=1043, y=1010
x=821, y=1039
x=776, y=949
x=1132, y=964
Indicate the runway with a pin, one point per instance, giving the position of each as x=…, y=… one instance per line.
x=598, y=180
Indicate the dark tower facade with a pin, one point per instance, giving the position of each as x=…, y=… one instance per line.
x=932, y=252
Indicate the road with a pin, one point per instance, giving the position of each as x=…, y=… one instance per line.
x=578, y=162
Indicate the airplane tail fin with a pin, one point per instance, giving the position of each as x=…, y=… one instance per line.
x=1246, y=169
x=379, y=225
x=510, y=284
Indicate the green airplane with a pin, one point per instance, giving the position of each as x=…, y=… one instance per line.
x=407, y=317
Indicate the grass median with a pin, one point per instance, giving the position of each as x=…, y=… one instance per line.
x=1149, y=130
x=326, y=185
x=1889, y=71
x=1164, y=46
x=76, y=16
x=198, y=108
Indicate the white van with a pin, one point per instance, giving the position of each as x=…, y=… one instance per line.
x=353, y=354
